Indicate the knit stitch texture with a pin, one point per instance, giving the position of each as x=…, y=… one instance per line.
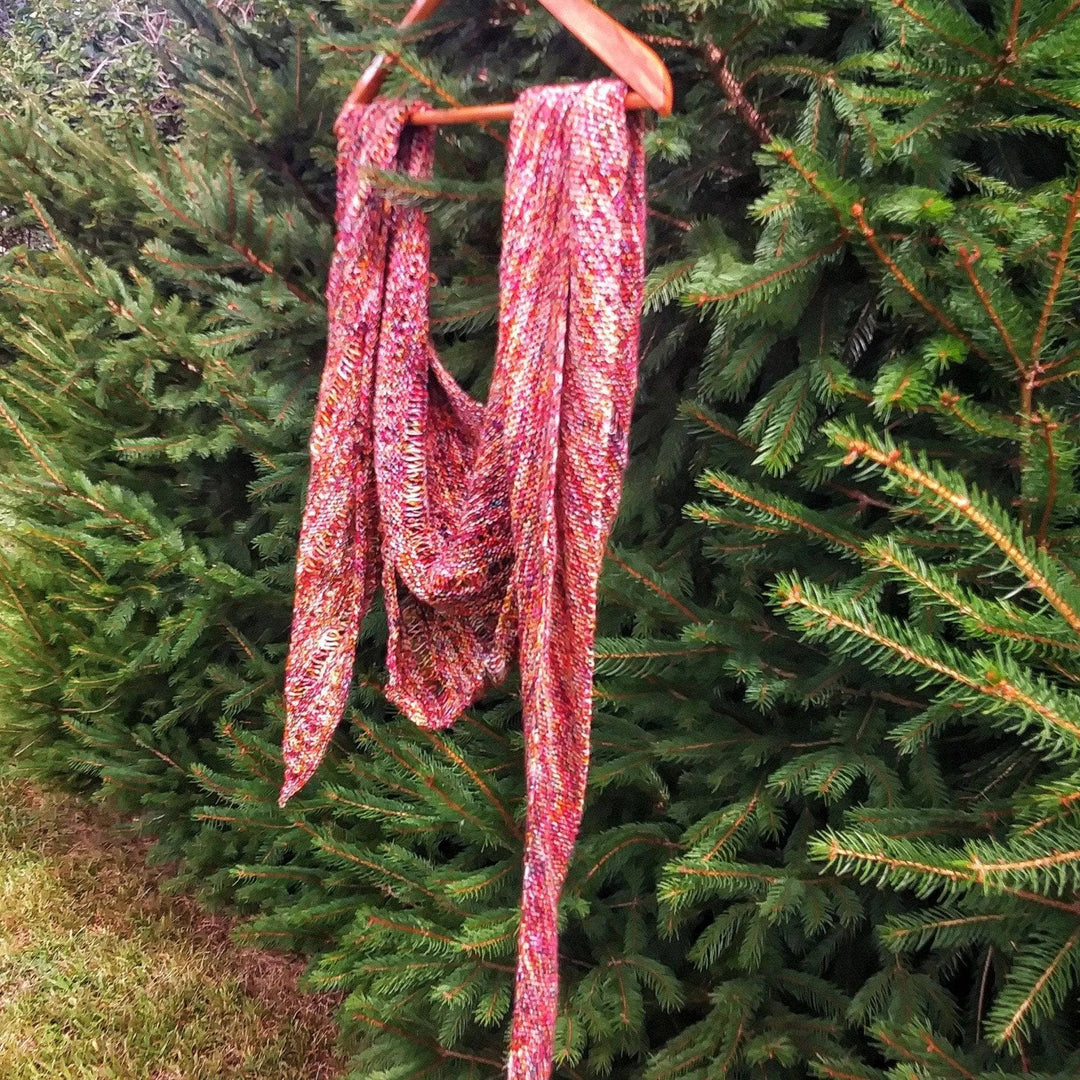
x=485, y=524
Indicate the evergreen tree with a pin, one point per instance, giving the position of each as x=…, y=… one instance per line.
x=831, y=823
x=898, y=481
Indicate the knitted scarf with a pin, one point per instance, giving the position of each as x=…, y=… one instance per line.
x=485, y=524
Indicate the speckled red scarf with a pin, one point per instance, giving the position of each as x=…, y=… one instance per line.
x=486, y=524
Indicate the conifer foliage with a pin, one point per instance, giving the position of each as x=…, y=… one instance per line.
x=832, y=823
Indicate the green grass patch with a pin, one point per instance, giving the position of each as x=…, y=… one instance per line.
x=102, y=977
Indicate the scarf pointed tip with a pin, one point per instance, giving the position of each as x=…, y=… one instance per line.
x=292, y=783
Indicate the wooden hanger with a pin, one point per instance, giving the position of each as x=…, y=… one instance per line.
x=623, y=51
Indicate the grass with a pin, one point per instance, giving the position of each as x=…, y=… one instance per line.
x=102, y=977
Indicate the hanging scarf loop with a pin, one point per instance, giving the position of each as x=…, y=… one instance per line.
x=485, y=524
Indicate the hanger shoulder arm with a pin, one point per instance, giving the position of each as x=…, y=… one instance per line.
x=621, y=49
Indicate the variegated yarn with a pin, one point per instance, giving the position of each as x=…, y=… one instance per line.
x=484, y=523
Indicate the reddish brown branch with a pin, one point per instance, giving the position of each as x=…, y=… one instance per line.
x=734, y=92
x=1009, y=53
x=967, y=261
x=685, y=226
x=1060, y=257
x=1051, y=494
x=652, y=585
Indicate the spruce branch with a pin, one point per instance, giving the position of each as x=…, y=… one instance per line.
x=452, y=755
x=1018, y=1023
x=652, y=586
x=928, y=121
x=891, y=555
x=437, y=1049
x=733, y=830
x=831, y=1070
x=922, y=868
x=377, y=872
x=767, y=280
x=651, y=841
x=978, y=673
x=929, y=1048
x=786, y=155
x=60, y=245
x=1060, y=258
x=1041, y=92
x=43, y=462
x=380, y=810
x=913, y=13
x=441, y=92
x=230, y=240
x=1058, y=18
x=694, y=411
x=422, y=775
x=967, y=260
x=915, y=931
x=983, y=868
x=963, y=505
x=870, y=236
x=774, y=508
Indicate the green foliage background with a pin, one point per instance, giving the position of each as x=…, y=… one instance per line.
x=832, y=826
x=79, y=56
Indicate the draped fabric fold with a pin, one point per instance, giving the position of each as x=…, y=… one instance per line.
x=485, y=524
